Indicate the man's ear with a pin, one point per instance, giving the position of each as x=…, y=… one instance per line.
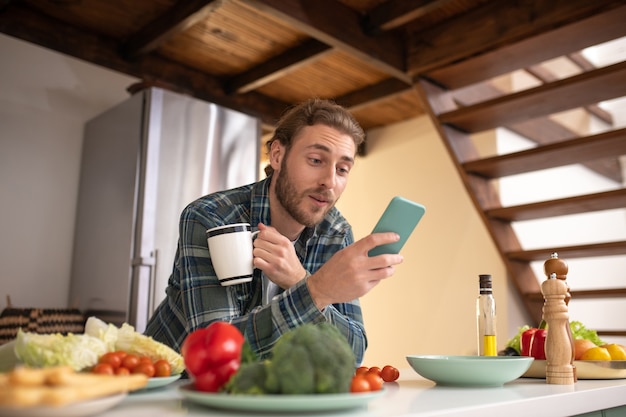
x=277, y=151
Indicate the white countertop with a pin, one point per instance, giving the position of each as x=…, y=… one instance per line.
x=412, y=395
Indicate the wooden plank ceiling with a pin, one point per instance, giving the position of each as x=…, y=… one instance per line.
x=261, y=56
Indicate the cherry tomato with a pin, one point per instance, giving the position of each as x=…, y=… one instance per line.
x=144, y=368
x=145, y=359
x=103, y=368
x=162, y=368
x=112, y=359
x=122, y=371
x=130, y=361
x=389, y=373
x=120, y=353
x=359, y=383
x=361, y=370
x=374, y=380
x=375, y=369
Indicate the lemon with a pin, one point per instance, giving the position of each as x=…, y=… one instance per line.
x=616, y=351
x=596, y=354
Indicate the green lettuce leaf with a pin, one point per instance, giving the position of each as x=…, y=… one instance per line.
x=515, y=342
x=43, y=350
x=579, y=331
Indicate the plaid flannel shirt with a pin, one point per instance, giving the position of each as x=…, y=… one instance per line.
x=195, y=298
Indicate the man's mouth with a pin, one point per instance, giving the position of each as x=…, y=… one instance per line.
x=320, y=199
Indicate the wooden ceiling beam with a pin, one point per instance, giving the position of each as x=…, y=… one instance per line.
x=277, y=67
x=395, y=13
x=369, y=95
x=586, y=88
x=502, y=36
x=335, y=24
x=22, y=23
x=176, y=20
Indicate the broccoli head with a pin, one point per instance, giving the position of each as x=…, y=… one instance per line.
x=249, y=379
x=312, y=358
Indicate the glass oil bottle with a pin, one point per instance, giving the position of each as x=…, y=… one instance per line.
x=486, y=318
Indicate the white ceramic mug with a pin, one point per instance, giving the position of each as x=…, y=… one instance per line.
x=231, y=252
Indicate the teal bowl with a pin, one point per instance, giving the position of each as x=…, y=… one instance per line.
x=470, y=371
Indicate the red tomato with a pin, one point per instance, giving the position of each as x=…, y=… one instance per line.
x=361, y=370
x=103, y=368
x=374, y=380
x=375, y=369
x=162, y=368
x=389, y=373
x=112, y=359
x=122, y=371
x=144, y=368
x=145, y=359
x=120, y=353
x=130, y=361
x=359, y=383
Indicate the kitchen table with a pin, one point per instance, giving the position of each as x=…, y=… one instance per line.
x=412, y=395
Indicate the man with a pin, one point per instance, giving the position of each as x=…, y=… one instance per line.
x=308, y=267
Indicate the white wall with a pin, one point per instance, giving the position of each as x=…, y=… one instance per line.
x=45, y=99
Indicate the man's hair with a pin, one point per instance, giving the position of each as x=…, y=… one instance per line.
x=314, y=112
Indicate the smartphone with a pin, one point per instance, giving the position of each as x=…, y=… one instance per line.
x=400, y=216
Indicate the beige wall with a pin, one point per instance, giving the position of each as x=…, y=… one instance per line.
x=428, y=306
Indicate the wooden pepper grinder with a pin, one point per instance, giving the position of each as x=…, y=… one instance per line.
x=559, y=343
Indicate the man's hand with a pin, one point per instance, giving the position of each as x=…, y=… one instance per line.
x=275, y=255
x=351, y=273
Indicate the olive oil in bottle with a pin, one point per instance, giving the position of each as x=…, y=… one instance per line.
x=486, y=318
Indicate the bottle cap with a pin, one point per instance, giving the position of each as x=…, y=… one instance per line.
x=485, y=283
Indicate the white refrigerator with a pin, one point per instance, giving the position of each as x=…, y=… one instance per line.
x=143, y=161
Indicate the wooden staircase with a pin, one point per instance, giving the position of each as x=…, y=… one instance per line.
x=464, y=101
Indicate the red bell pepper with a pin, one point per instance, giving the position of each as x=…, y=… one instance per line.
x=533, y=341
x=538, y=348
x=526, y=340
x=212, y=355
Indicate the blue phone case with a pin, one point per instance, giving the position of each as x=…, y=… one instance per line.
x=400, y=216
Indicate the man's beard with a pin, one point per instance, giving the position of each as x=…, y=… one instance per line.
x=289, y=198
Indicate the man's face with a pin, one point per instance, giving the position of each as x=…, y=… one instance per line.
x=312, y=175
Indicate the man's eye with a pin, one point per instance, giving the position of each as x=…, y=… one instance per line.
x=315, y=161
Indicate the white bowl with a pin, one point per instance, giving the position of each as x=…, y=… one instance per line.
x=470, y=371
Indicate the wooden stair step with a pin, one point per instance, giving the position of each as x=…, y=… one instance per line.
x=568, y=252
x=573, y=151
x=580, y=204
x=587, y=88
x=588, y=294
x=567, y=39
